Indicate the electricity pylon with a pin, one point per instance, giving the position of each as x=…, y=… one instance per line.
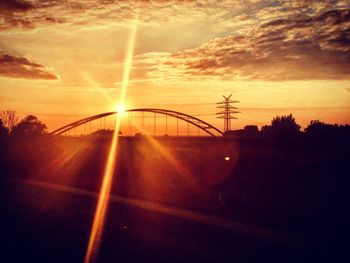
x=226, y=111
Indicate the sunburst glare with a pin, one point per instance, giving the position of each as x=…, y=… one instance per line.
x=103, y=199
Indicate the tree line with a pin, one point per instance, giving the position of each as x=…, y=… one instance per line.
x=282, y=128
x=10, y=124
x=285, y=132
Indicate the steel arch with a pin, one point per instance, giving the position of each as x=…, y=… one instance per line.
x=179, y=115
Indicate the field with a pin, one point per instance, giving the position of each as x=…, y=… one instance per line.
x=164, y=203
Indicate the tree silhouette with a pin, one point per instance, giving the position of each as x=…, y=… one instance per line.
x=318, y=128
x=265, y=130
x=29, y=126
x=321, y=134
x=283, y=131
x=102, y=132
x=9, y=119
x=3, y=130
x=251, y=130
x=284, y=126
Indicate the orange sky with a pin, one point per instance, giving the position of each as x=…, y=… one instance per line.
x=64, y=61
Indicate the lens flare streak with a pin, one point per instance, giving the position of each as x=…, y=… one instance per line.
x=128, y=62
x=96, y=231
x=104, y=195
x=170, y=158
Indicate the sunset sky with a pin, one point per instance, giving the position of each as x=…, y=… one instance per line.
x=63, y=60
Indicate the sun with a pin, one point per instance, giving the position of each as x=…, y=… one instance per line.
x=121, y=109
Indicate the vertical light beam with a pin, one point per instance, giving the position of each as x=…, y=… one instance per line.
x=100, y=213
x=128, y=61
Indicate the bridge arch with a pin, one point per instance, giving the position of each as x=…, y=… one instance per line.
x=206, y=127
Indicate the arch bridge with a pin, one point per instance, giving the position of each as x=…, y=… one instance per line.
x=202, y=125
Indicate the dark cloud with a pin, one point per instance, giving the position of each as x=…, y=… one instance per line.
x=29, y=14
x=299, y=48
x=15, y=6
x=20, y=67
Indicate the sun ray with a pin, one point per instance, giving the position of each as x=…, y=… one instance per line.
x=95, y=85
x=128, y=61
x=171, y=159
x=100, y=213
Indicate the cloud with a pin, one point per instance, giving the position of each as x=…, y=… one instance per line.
x=294, y=48
x=14, y=5
x=259, y=39
x=31, y=14
x=20, y=67
x=38, y=13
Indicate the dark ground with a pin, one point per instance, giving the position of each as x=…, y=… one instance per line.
x=38, y=230
x=300, y=192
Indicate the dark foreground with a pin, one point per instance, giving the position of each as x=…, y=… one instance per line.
x=282, y=204
x=46, y=225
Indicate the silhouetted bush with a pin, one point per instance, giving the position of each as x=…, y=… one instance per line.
x=284, y=126
x=283, y=132
x=9, y=119
x=28, y=147
x=3, y=146
x=251, y=130
x=29, y=126
x=322, y=135
x=3, y=131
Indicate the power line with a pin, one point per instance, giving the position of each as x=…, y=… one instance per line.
x=178, y=104
x=208, y=114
